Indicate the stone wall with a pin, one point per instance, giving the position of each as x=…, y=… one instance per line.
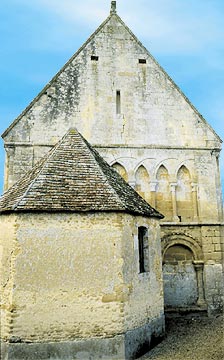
x=193, y=198
x=76, y=277
x=203, y=241
x=9, y=251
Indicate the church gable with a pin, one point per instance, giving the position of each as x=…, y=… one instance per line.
x=115, y=93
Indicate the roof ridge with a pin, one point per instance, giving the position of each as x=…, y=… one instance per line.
x=41, y=163
x=93, y=153
x=122, y=200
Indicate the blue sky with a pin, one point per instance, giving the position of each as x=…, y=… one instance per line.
x=39, y=36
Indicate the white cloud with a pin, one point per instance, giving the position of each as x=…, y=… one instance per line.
x=178, y=26
x=164, y=26
x=87, y=12
x=169, y=25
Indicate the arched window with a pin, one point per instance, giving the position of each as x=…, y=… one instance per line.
x=142, y=182
x=184, y=195
x=121, y=170
x=163, y=195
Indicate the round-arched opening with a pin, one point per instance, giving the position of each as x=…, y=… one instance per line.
x=177, y=253
x=180, y=278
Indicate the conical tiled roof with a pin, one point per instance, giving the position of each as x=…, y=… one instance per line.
x=74, y=177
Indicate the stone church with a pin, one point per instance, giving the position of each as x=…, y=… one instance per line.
x=128, y=108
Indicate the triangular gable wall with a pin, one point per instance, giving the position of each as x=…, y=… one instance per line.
x=153, y=110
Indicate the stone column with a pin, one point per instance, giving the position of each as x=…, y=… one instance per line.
x=174, y=201
x=10, y=151
x=195, y=201
x=153, y=185
x=199, y=265
x=215, y=155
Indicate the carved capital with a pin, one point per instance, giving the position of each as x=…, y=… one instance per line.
x=216, y=153
x=194, y=186
x=198, y=264
x=153, y=185
x=173, y=187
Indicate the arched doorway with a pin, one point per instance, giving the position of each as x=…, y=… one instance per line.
x=179, y=276
x=182, y=274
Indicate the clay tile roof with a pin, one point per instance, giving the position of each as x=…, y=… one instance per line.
x=74, y=177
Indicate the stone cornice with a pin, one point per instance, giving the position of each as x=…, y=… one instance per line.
x=114, y=146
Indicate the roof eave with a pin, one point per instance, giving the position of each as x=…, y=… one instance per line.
x=23, y=211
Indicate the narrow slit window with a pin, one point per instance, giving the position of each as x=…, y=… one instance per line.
x=118, y=102
x=142, y=61
x=143, y=247
x=94, y=58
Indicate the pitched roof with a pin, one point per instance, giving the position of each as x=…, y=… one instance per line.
x=117, y=18
x=74, y=177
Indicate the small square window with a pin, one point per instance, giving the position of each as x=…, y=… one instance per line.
x=94, y=58
x=142, y=61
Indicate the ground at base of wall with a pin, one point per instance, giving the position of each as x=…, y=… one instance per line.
x=191, y=337
x=129, y=345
